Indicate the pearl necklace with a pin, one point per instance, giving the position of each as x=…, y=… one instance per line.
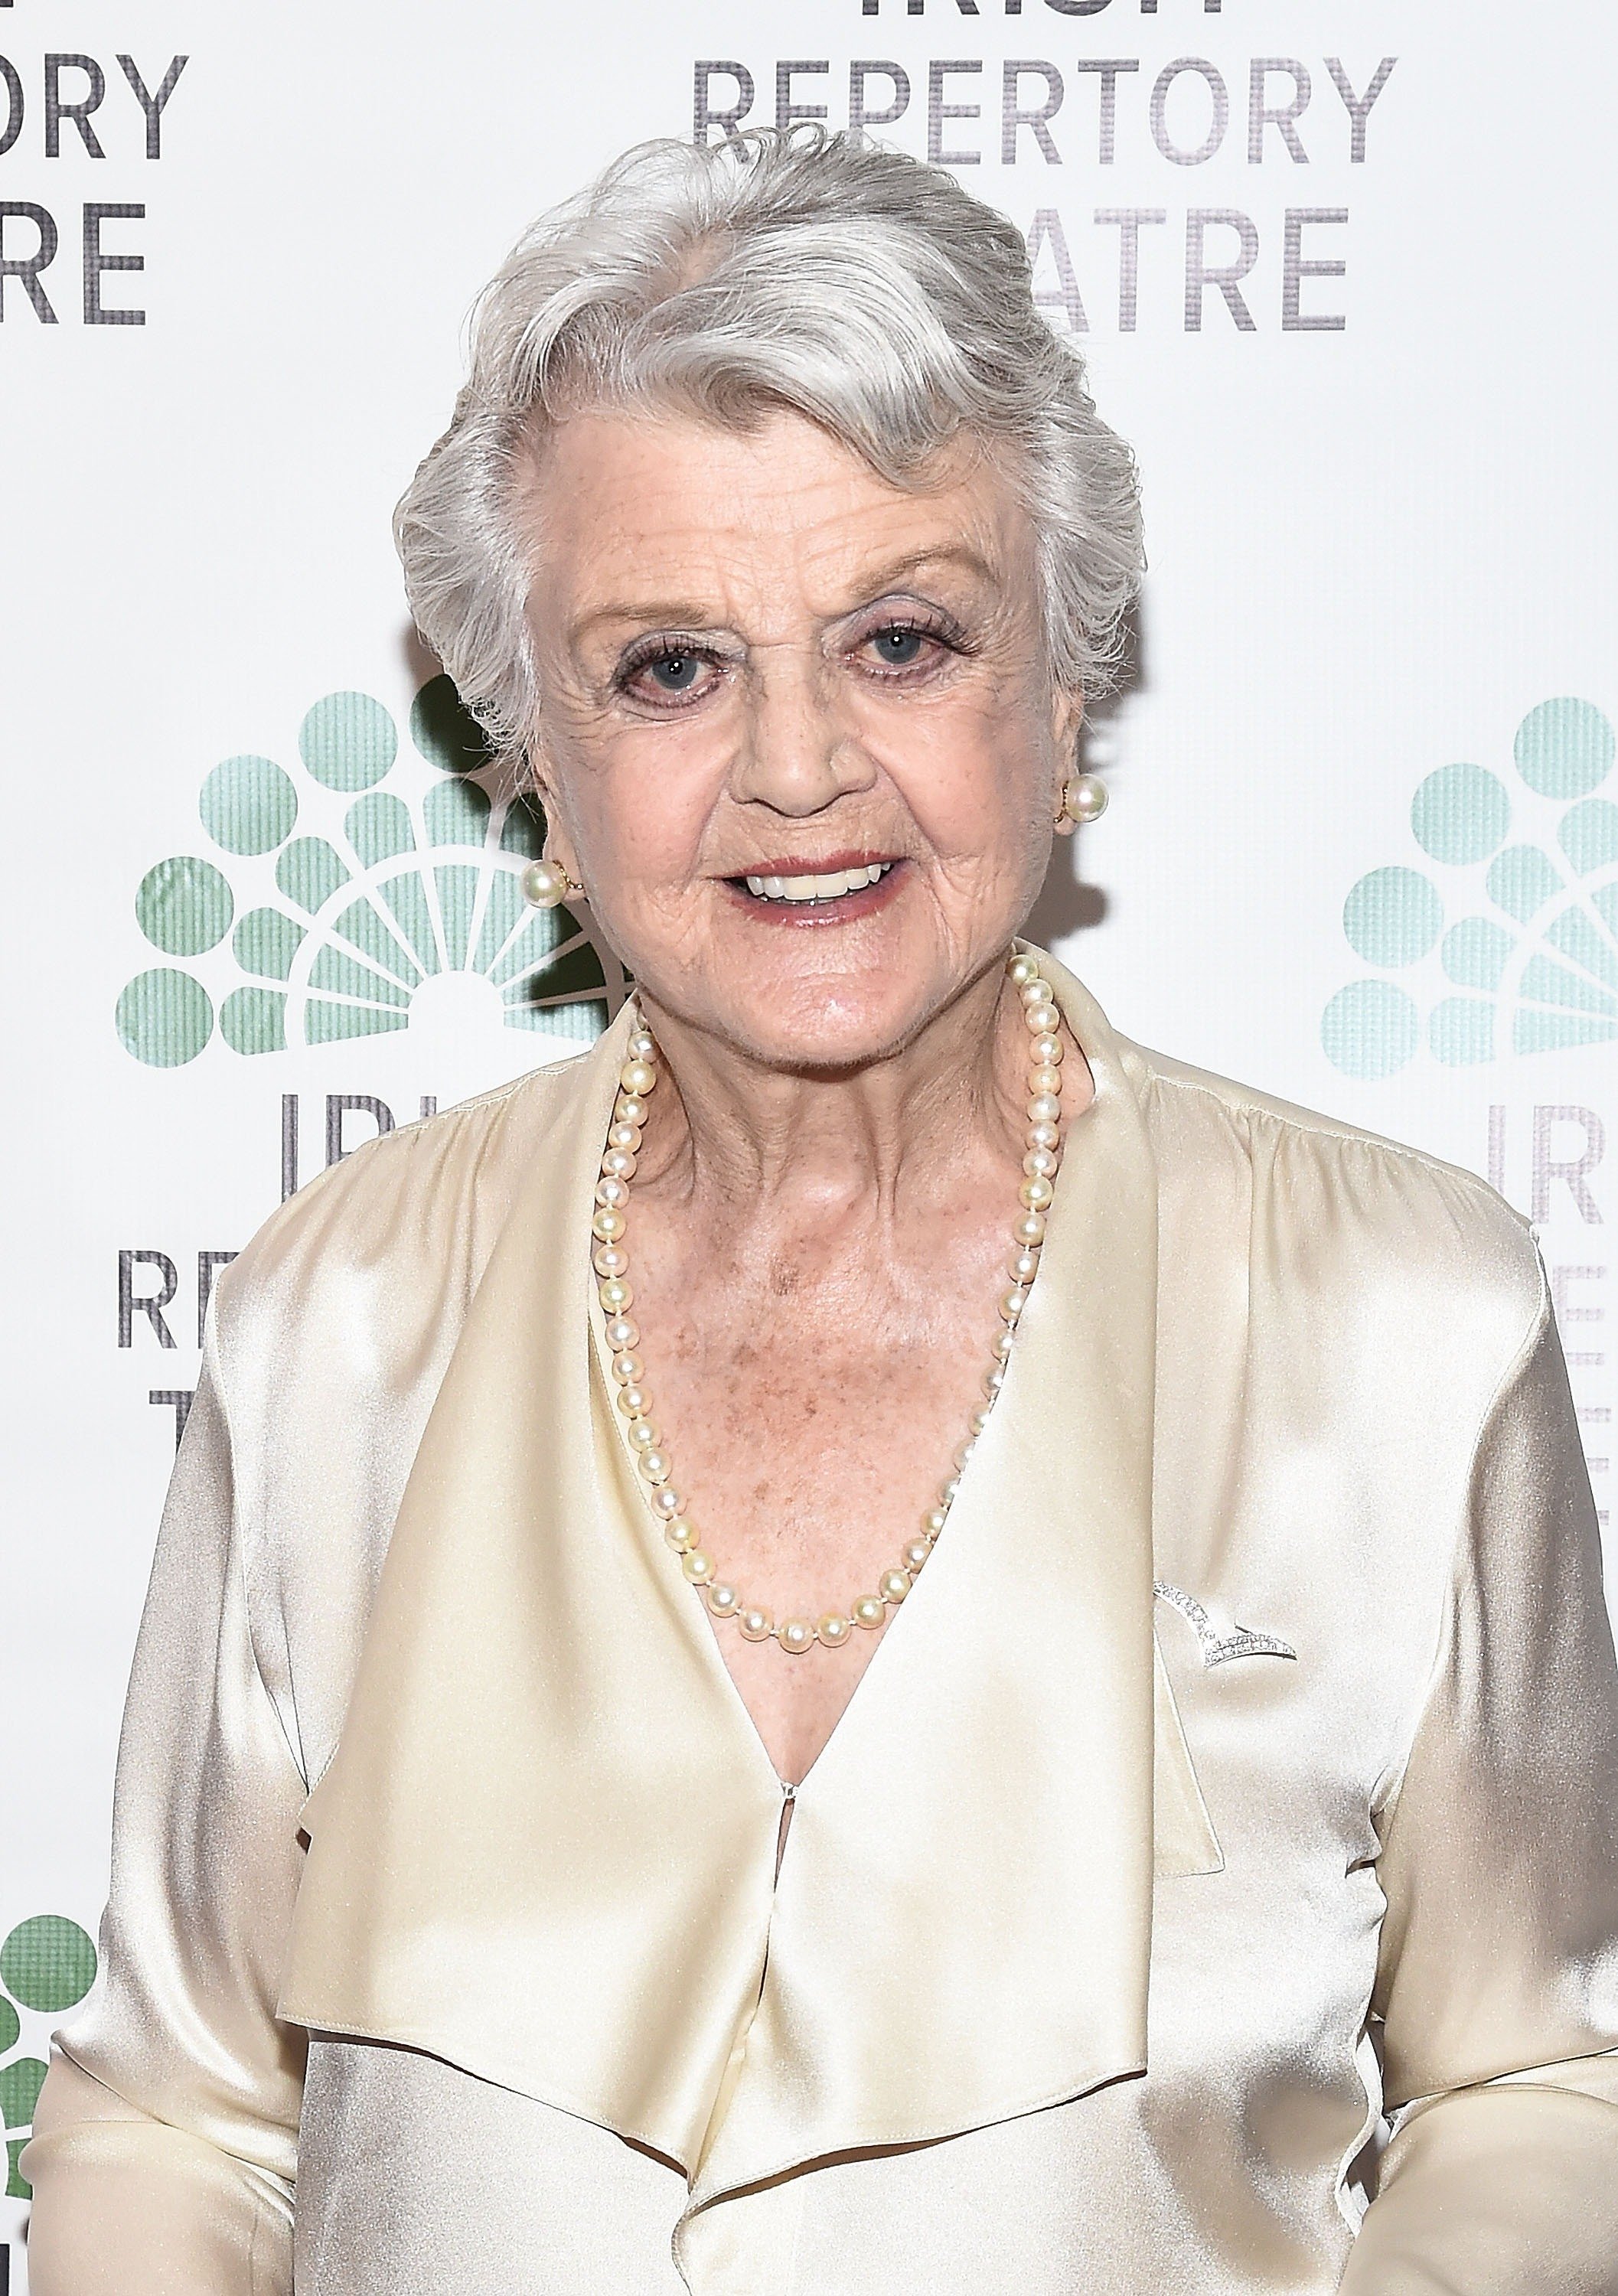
x=637, y=1079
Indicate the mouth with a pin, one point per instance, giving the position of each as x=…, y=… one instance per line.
x=836, y=890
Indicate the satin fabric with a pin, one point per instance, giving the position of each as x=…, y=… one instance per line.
x=1087, y=1963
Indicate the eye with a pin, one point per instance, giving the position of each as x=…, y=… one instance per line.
x=667, y=669
x=676, y=672
x=898, y=646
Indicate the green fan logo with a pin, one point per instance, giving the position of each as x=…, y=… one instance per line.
x=347, y=899
x=1507, y=941
x=46, y=1965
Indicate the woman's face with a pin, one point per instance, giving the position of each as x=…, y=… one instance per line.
x=767, y=672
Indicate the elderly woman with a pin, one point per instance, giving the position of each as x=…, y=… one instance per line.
x=1134, y=1531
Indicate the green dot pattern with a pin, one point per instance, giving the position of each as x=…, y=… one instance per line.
x=457, y=813
x=309, y=872
x=407, y=904
x=47, y=1962
x=1461, y=1032
x=1540, y=973
x=1564, y=748
x=1522, y=880
x=265, y=941
x=1533, y=1031
x=358, y=943
x=504, y=909
x=248, y=805
x=362, y=924
x=9, y=2026
x=1461, y=814
x=326, y=1023
x=1592, y=950
x=544, y=931
x=456, y=885
x=347, y=742
x=378, y=827
x=184, y=905
x=21, y=2083
x=164, y=1018
x=1588, y=835
x=254, y=1021
x=1476, y=952
x=1393, y=917
x=1370, y=1030
x=346, y=976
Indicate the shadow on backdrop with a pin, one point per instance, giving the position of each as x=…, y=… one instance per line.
x=1068, y=901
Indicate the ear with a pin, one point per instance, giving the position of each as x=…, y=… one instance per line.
x=1066, y=716
x=541, y=775
x=535, y=775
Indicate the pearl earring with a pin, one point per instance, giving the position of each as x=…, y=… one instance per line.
x=1084, y=798
x=546, y=884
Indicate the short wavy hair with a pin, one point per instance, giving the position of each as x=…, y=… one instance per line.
x=807, y=270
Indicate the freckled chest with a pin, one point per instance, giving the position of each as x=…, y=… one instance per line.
x=812, y=1411
x=812, y=1415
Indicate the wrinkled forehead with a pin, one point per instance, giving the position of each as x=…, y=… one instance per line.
x=628, y=510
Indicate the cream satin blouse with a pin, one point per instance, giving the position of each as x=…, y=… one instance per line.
x=448, y=1955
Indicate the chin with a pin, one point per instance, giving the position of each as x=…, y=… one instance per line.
x=812, y=1022
x=829, y=1026
x=824, y=992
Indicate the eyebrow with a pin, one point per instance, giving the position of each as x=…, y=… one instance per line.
x=947, y=553
x=685, y=614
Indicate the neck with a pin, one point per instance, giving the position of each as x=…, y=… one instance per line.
x=729, y=1129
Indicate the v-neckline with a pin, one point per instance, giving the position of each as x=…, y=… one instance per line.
x=601, y=1356
x=706, y=1627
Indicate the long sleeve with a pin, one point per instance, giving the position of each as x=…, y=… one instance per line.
x=1498, y=1984
x=165, y=2137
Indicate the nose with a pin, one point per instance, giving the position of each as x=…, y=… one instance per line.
x=798, y=753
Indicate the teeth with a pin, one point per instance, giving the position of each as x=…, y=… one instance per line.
x=818, y=889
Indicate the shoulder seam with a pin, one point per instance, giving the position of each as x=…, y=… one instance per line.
x=1385, y=1792
x=495, y=1093
x=415, y=1127
x=1311, y=1124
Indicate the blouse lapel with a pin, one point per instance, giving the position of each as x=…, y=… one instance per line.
x=545, y=1845
x=545, y=1849
x=961, y=1922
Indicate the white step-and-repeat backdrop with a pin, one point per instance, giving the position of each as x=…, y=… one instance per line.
x=1341, y=268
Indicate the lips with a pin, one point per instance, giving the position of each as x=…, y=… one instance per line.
x=824, y=885
x=836, y=888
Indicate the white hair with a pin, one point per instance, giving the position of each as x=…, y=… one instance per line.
x=805, y=270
